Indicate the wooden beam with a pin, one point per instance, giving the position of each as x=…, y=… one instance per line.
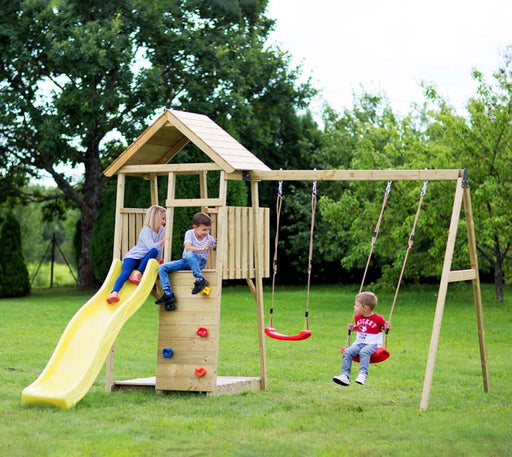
x=192, y=202
x=154, y=188
x=164, y=169
x=171, y=192
x=258, y=257
x=441, y=296
x=118, y=217
x=477, y=293
x=203, y=186
x=461, y=275
x=349, y=175
x=109, y=364
x=132, y=211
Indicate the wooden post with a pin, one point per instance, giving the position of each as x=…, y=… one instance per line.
x=116, y=254
x=477, y=294
x=258, y=257
x=171, y=191
x=154, y=188
x=203, y=187
x=118, y=230
x=252, y=288
x=221, y=246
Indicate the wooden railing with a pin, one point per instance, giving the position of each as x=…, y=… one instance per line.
x=239, y=239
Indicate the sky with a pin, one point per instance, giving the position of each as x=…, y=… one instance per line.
x=390, y=46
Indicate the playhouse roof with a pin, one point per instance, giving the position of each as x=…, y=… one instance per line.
x=172, y=130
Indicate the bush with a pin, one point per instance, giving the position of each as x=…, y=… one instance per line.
x=14, y=281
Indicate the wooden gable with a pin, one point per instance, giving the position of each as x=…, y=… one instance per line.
x=172, y=130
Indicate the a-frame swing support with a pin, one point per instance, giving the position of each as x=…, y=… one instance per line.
x=462, y=198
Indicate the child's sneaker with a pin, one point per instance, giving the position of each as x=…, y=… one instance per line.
x=342, y=379
x=199, y=285
x=135, y=278
x=113, y=298
x=361, y=379
x=166, y=298
x=170, y=306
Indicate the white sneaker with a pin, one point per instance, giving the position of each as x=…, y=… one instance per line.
x=361, y=378
x=342, y=379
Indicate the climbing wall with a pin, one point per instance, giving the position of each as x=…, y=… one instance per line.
x=189, y=337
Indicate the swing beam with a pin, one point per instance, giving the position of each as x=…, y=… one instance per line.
x=462, y=198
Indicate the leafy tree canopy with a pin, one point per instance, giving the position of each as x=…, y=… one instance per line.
x=79, y=80
x=433, y=136
x=482, y=142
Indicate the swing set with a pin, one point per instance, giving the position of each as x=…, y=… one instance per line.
x=243, y=234
x=461, y=200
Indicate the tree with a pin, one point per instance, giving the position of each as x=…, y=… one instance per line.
x=371, y=136
x=76, y=74
x=14, y=280
x=482, y=142
x=432, y=136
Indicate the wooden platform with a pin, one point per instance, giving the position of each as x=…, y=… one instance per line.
x=226, y=385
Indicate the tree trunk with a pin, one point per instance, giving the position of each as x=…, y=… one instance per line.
x=89, y=206
x=498, y=280
x=85, y=272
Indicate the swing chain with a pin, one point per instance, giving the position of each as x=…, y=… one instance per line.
x=279, y=204
x=388, y=188
x=314, y=194
x=375, y=232
x=424, y=188
x=422, y=194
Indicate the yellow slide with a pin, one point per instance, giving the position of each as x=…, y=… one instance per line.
x=87, y=340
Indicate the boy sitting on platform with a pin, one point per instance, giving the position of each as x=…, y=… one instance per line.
x=197, y=243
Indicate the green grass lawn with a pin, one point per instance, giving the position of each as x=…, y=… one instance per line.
x=301, y=413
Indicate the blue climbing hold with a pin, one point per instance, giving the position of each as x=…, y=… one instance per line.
x=167, y=352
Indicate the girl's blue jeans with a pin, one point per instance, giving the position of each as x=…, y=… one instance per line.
x=190, y=261
x=133, y=264
x=364, y=351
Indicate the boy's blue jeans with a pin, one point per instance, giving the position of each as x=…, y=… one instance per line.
x=190, y=261
x=133, y=264
x=364, y=351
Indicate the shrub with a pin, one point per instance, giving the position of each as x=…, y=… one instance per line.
x=14, y=281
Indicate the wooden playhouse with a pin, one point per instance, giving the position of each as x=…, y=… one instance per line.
x=188, y=340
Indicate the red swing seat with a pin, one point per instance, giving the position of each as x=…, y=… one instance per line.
x=273, y=333
x=379, y=355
